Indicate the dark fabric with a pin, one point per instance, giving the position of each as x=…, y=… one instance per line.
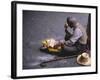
x=80, y=47
x=67, y=35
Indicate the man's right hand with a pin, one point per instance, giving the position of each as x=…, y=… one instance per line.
x=62, y=41
x=66, y=25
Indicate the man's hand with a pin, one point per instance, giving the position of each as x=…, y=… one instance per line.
x=62, y=41
x=68, y=43
x=66, y=25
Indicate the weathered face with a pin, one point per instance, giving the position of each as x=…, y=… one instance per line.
x=70, y=24
x=71, y=21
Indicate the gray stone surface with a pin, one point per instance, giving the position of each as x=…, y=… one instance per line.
x=39, y=25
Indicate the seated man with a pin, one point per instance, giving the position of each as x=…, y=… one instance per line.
x=76, y=41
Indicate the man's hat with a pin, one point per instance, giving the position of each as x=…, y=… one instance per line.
x=84, y=59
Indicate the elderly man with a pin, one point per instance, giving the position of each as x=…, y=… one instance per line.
x=77, y=40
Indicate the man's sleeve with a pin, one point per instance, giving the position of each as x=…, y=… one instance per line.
x=76, y=35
